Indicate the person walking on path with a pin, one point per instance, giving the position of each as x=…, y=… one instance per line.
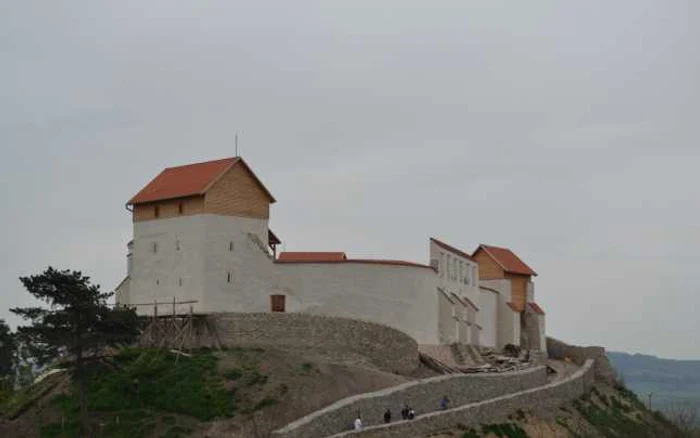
x=387, y=416
x=404, y=412
x=444, y=403
x=358, y=423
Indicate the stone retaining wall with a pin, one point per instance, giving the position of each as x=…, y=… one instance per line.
x=487, y=411
x=340, y=338
x=604, y=371
x=423, y=395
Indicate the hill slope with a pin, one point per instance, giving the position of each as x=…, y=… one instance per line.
x=605, y=412
x=149, y=393
x=672, y=382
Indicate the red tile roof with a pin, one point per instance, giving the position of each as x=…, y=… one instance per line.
x=512, y=307
x=338, y=257
x=452, y=249
x=536, y=308
x=510, y=262
x=389, y=262
x=311, y=257
x=189, y=180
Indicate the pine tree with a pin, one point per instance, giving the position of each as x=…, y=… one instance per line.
x=77, y=325
x=8, y=357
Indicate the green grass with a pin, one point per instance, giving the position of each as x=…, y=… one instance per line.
x=504, y=430
x=617, y=419
x=128, y=399
x=233, y=374
x=152, y=379
x=177, y=432
x=470, y=433
x=306, y=367
x=17, y=402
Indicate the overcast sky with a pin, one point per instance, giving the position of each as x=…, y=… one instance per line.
x=567, y=132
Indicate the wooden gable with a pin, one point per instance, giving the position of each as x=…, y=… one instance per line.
x=238, y=193
x=489, y=269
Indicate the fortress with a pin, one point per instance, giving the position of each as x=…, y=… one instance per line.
x=202, y=239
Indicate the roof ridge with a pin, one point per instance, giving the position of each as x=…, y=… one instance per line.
x=452, y=249
x=193, y=179
x=202, y=162
x=508, y=260
x=221, y=174
x=494, y=246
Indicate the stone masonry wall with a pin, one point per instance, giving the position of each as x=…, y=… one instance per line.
x=487, y=411
x=381, y=346
x=578, y=355
x=423, y=395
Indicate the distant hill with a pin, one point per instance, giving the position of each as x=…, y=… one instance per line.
x=671, y=381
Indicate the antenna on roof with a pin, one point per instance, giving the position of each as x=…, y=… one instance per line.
x=236, y=144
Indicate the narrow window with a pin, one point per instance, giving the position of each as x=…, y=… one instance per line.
x=180, y=282
x=180, y=208
x=177, y=245
x=228, y=277
x=154, y=247
x=157, y=281
x=230, y=246
x=156, y=211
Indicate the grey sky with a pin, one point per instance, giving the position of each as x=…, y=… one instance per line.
x=568, y=132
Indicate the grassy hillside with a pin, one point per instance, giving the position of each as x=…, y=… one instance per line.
x=605, y=412
x=673, y=383
x=153, y=393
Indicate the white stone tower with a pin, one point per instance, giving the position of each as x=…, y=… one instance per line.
x=201, y=234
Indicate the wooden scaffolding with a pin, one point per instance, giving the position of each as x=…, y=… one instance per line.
x=178, y=330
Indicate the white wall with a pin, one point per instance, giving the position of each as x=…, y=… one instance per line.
x=403, y=297
x=192, y=256
x=121, y=292
x=488, y=317
x=446, y=321
x=543, y=333
x=508, y=320
x=455, y=273
x=249, y=264
x=194, y=260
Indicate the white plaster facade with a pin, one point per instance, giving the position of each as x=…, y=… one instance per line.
x=218, y=261
x=487, y=317
x=456, y=272
x=221, y=263
x=402, y=297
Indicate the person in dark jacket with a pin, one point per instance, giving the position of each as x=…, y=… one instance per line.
x=404, y=412
x=387, y=416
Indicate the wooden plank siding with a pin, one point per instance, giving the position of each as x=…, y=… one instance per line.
x=488, y=268
x=518, y=288
x=168, y=208
x=236, y=193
